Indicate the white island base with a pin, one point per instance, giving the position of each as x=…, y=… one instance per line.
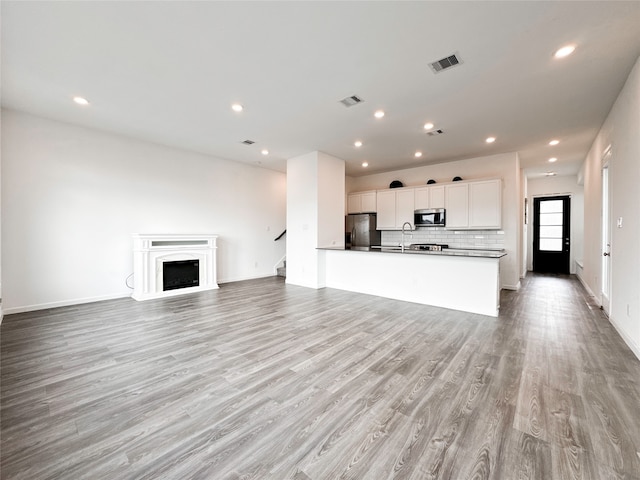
x=470, y=284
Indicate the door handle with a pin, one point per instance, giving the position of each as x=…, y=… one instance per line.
x=606, y=254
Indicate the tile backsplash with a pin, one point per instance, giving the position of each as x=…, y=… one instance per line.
x=480, y=239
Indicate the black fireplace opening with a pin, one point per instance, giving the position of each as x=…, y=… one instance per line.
x=180, y=274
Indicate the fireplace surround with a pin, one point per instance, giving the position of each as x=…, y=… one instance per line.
x=196, y=253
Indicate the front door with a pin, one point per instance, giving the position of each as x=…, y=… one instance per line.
x=551, y=227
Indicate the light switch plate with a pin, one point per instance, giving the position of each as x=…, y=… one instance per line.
x=619, y=222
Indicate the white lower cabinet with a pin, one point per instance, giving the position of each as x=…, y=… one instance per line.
x=395, y=207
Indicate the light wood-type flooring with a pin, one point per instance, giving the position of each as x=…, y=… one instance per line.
x=263, y=380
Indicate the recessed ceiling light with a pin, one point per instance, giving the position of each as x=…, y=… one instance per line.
x=428, y=126
x=81, y=100
x=564, y=51
x=357, y=143
x=365, y=164
x=379, y=114
x=554, y=142
x=236, y=107
x=264, y=152
x=490, y=139
x=553, y=159
x=418, y=154
x=550, y=174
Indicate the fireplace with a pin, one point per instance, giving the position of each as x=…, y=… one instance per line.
x=173, y=264
x=180, y=274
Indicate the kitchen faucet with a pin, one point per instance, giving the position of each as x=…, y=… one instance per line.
x=403, y=234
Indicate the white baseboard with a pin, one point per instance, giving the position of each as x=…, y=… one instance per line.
x=628, y=340
x=240, y=279
x=635, y=348
x=512, y=287
x=589, y=291
x=65, y=303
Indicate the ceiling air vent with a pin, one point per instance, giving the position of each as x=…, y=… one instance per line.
x=248, y=142
x=433, y=133
x=351, y=101
x=445, y=63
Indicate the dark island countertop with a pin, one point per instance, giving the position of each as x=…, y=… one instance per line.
x=452, y=252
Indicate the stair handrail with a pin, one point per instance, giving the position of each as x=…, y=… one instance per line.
x=281, y=235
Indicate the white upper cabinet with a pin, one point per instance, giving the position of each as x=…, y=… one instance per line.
x=395, y=206
x=429, y=197
x=457, y=205
x=436, y=197
x=386, y=207
x=405, y=206
x=422, y=198
x=361, y=202
x=485, y=204
x=474, y=205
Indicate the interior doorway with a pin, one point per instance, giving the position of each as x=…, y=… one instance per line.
x=606, y=235
x=551, y=234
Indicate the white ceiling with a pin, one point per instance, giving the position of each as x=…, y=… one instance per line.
x=168, y=72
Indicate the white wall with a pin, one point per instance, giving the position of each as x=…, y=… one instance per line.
x=524, y=185
x=1, y=308
x=505, y=166
x=315, y=215
x=302, y=220
x=562, y=185
x=72, y=197
x=621, y=131
x=331, y=201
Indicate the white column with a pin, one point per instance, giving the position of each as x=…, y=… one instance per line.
x=315, y=215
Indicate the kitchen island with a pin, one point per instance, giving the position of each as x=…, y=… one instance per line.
x=467, y=280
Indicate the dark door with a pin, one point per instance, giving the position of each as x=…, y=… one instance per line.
x=551, y=226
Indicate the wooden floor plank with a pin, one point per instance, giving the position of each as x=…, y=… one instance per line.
x=264, y=380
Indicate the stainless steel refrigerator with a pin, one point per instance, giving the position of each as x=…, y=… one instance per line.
x=360, y=230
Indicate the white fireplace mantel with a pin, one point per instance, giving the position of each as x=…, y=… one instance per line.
x=150, y=251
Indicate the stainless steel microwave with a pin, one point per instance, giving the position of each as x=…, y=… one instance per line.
x=429, y=217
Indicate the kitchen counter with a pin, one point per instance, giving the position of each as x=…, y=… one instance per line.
x=455, y=252
x=458, y=279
